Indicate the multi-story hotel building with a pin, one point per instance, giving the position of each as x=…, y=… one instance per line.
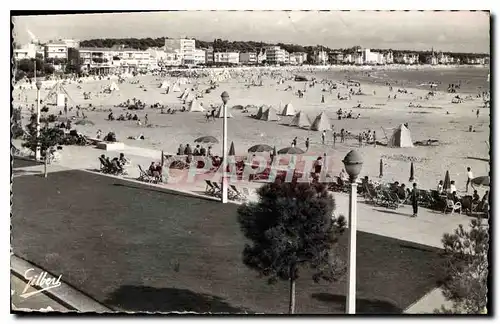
x=227, y=57
x=248, y=58
x=186, y=49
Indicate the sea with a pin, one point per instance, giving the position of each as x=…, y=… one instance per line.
x=472, y=79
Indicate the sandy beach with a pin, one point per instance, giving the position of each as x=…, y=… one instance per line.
x=435, y=118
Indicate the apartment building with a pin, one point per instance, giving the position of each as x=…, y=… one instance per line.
x=275, y=55
x=27, y=51
x=407, y=58
x=107, y=60
x=200, y=56
x=56, y=51
x=186, y=49
x=261, y=56
x=227, y=57
x=209, y=55
x=248, y=58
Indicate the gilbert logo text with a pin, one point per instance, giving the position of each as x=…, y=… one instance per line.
x=41, y=281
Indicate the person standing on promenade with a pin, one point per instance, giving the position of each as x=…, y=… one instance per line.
x=470, y=176
x=414, y=199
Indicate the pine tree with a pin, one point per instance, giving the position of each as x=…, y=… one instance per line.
x=292, y=227
x=467, y=269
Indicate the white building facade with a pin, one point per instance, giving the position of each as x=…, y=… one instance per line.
x=56, y=51
x=186, y=49
x=200, y=57
x=227, y=57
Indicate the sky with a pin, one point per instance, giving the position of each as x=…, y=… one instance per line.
x=462, y=31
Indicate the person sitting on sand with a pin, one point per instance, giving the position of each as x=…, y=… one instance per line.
x=209, y=151
x=110, y=116
x=135, y=117
x=203, y=151
x=98, y=134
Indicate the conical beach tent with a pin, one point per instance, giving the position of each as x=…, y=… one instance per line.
x=288, y=110
x=260, y=113
x=195, y=106
x=270, y=115
x=190, y=97
x=164, y=85
x=321, y=123
x=184, y=94
x=220, y=113
x=301, y=120
x=401, y=137
x=176, y=88
x=113, y=86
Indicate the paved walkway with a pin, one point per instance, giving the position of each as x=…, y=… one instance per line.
x=428, y=228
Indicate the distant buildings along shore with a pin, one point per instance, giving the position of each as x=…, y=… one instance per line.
x=183, y=52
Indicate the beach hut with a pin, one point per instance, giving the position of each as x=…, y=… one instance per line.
x=190, y=97
x=288, y=110
x=401, y=137
x=113, y=86
x=301, y=120
x=176, y=88
x=195, y=106
x=270, y=115
x=220, y=113
x=164, y=85
x=321, y=123
x=260, y=113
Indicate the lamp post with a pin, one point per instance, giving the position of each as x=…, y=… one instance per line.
x=38, y=87
x=353, y=163
x=225, y=99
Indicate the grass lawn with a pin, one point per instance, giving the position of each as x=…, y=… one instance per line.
x=138, y=248
x=22, y=163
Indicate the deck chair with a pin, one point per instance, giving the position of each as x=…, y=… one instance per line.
x=209, y=188
x=145, y=177
x=388, y=200
x=237, y=194
x=397, y=201
x=218, y=189
x=453, y=206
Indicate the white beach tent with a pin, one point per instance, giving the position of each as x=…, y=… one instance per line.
x=301, y=120
x=195, y=106
x=321, y=123
x=220, y=113
x=113, y=86
x=288, y=110
x=189, y=98
x=401, y=137
x=164, y=85
x=270, y=115
x=260, y=112
x=176, y=88
x=184, y=94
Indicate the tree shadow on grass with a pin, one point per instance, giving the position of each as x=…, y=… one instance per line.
x=363, y=306
x=150, y=299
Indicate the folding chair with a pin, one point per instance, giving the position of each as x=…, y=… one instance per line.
x=453, y=206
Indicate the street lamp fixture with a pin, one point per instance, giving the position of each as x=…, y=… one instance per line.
x=225, y=98
x=353, y=163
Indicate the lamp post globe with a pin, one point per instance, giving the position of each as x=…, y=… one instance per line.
x=225, y=97
x=39, y=84
x=353, y=163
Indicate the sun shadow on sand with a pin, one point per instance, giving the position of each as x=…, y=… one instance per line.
x=150, y=299
x=363, y=306
x=388, y=211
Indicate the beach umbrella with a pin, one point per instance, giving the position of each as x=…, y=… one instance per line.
x=290, y=150
x=412, y=173
x=231, y=150
x=84, y=122
x=381, y=174
x=447, y=181
x=162, y=158
x=238, y=107
x=481, y=181
x=206, y=139
x=260, y=148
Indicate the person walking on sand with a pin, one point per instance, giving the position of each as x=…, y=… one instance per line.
x=374, y=139
x=146, y=119
x=342, y=135
x=360, y=140
x=477, y=113
x=470, y=176
x=322, y=98
x=414, y=199
x=294, y=142
x=323, y=137
x=334, y=139
x=307, y=144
